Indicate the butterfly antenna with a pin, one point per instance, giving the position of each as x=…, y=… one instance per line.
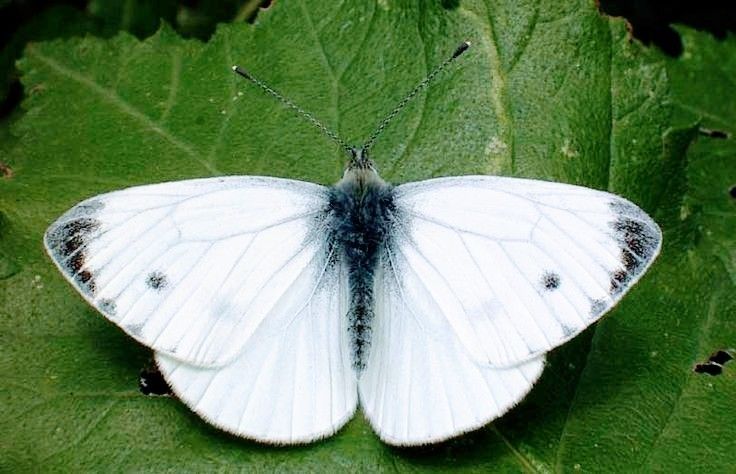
x=266, y=88
x=419, y=87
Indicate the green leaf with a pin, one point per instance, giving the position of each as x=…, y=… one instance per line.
x=549, y=91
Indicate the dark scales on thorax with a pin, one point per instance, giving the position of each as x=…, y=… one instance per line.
x=361, y=208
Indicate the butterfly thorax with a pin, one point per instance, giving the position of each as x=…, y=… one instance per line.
x=361, y=207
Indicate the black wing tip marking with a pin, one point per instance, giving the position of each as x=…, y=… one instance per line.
x=67, y=240
x=638, y=237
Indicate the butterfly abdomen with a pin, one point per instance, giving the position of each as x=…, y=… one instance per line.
x=361, y=212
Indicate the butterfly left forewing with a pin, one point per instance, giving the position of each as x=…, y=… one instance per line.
x=191, y=268
x=516, y=267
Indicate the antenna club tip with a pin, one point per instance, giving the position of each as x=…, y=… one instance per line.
x=234, y=68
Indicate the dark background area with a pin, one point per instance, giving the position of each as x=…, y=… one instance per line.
x=23, y=21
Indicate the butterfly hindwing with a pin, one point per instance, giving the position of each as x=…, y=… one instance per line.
x=516, y=267
x=293, y=382
x=420, y=385
x=191, y=268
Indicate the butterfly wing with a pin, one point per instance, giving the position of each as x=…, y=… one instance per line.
x=192, y=268
x=293, y=382
x=516, y=267
x=419, y=385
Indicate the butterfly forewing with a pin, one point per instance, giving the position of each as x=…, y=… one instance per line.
x=192, y=268
x=516, y=267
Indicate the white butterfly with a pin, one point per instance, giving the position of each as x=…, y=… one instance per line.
x=275, y=307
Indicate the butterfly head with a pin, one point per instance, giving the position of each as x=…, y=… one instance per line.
x=360, y=170
x=359, y=159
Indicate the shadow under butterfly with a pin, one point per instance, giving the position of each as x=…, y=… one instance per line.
x=276, y=307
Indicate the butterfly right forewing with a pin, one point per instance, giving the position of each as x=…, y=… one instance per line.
x=516, y=267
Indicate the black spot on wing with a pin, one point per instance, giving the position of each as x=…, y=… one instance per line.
x=619, y=280
x=85, y=276
x=621, y=277
x=108, y=306
x=156, y=280
x=550, y=281
x=135, y=329
x=597, y=307
x=631, y=264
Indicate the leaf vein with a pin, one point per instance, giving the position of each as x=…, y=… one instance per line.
x=114, y=99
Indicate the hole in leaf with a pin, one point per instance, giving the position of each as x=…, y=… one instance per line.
x=714, y=364
x=709, y=368
x=650, y=20
x=152, y=383
x=720, y=357
x=713, y=133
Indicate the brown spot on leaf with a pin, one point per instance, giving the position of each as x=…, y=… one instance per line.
x=5, y=171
